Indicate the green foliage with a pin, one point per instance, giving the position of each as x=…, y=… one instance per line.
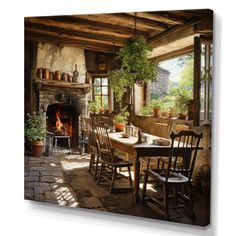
x=156, y=104
x=118, y=80
x=122, y=117
x=186, y=81
x=134, y=65
x=182, y=60
x=34, y=127
x=181, y=100
x=144, y=111
x=94, y=106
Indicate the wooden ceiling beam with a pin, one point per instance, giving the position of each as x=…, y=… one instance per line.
x=84, y=26
x=175, y=33
x=164, y=17
x=174, y=54
x=201, y=13
x=40, y=37
x=100, y=27
x=54, y=30
x=141, y=22
x=124, y=19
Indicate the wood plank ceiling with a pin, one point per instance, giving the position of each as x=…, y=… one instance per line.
x=108, y=32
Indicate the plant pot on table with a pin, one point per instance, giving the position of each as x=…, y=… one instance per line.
x=157, y=111
x=120, y=127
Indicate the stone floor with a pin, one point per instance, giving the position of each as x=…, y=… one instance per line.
x=64, y=180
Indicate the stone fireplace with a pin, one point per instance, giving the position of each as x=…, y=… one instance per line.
x=62, y=111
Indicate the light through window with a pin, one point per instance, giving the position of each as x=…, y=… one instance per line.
x=100, y=91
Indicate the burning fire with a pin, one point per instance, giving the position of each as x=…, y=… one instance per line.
x=59, y=124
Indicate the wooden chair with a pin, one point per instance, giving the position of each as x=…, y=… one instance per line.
x=162, y=130
x=176, y=128
x=93, y=148
x=176, y=178
x=110, y=161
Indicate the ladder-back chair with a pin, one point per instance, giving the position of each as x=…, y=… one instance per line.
x=110, y=161
x=176, y=176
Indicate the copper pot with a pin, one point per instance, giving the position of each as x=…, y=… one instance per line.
x=70, y=78
x=57, y=75
x=64, y=76
x=51, y=75
x=39, y=73
x=46, y=73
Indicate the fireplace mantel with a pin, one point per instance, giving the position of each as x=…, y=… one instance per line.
x=42, y=83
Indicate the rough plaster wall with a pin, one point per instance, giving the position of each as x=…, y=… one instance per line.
x=139, y=98
x=61, y=58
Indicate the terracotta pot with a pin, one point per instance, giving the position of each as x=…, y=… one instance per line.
x=119, y=127
x=37, y=148
x=46, y=73
x=182, y=116
x=157, y=111
x=40, y=73
x=65, y=77
x=51, y=75
x=57, y=75
x=70, y=78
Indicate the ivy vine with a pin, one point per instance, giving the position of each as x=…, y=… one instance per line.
x=134, y=65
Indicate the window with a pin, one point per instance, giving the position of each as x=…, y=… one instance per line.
x=100, y=92
x=206, y=81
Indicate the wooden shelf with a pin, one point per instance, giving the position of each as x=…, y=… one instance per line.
x=62, y=84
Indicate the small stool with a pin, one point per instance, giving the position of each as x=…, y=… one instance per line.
x=55, y=137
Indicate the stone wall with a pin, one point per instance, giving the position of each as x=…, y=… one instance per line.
x=62, y=58
x=54, y=96
x=160, y=85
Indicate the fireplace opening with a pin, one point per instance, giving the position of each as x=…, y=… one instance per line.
x=62, y=120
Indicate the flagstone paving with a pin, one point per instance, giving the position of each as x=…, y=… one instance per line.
x=64, y=180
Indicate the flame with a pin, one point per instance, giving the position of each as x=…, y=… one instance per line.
x=59, y=124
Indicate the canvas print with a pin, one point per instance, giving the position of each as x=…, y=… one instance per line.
x=118, y=113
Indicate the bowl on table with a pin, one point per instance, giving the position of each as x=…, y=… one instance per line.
x=161, y=142
x=125, y=135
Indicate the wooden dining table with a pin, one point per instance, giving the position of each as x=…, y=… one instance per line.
x=138, y=151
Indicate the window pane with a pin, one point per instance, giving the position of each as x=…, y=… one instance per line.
x=97, y=82
x=97, y=90
x=104, y=90
x=104, y=81
x=98, y=100
x=105, y=101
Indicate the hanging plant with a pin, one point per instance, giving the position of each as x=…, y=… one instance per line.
x=135, y=66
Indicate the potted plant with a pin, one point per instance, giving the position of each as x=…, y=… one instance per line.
x=181, y=100
x=94, y=107
x=172, y=112
x=156, y=105
x=35, y=132
x=144, y=111
x=120, y=120
x=164, y=112
x=135, y=66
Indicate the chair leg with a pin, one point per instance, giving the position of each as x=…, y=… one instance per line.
x=191, y=201
x=91, y=162
x=100, y=173
x=96, y=166
x=113, y=178
x=166, y=202
x=144, y=186
x=175, y=195
x=130, y=179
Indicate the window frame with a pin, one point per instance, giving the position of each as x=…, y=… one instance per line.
x=101, y=90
